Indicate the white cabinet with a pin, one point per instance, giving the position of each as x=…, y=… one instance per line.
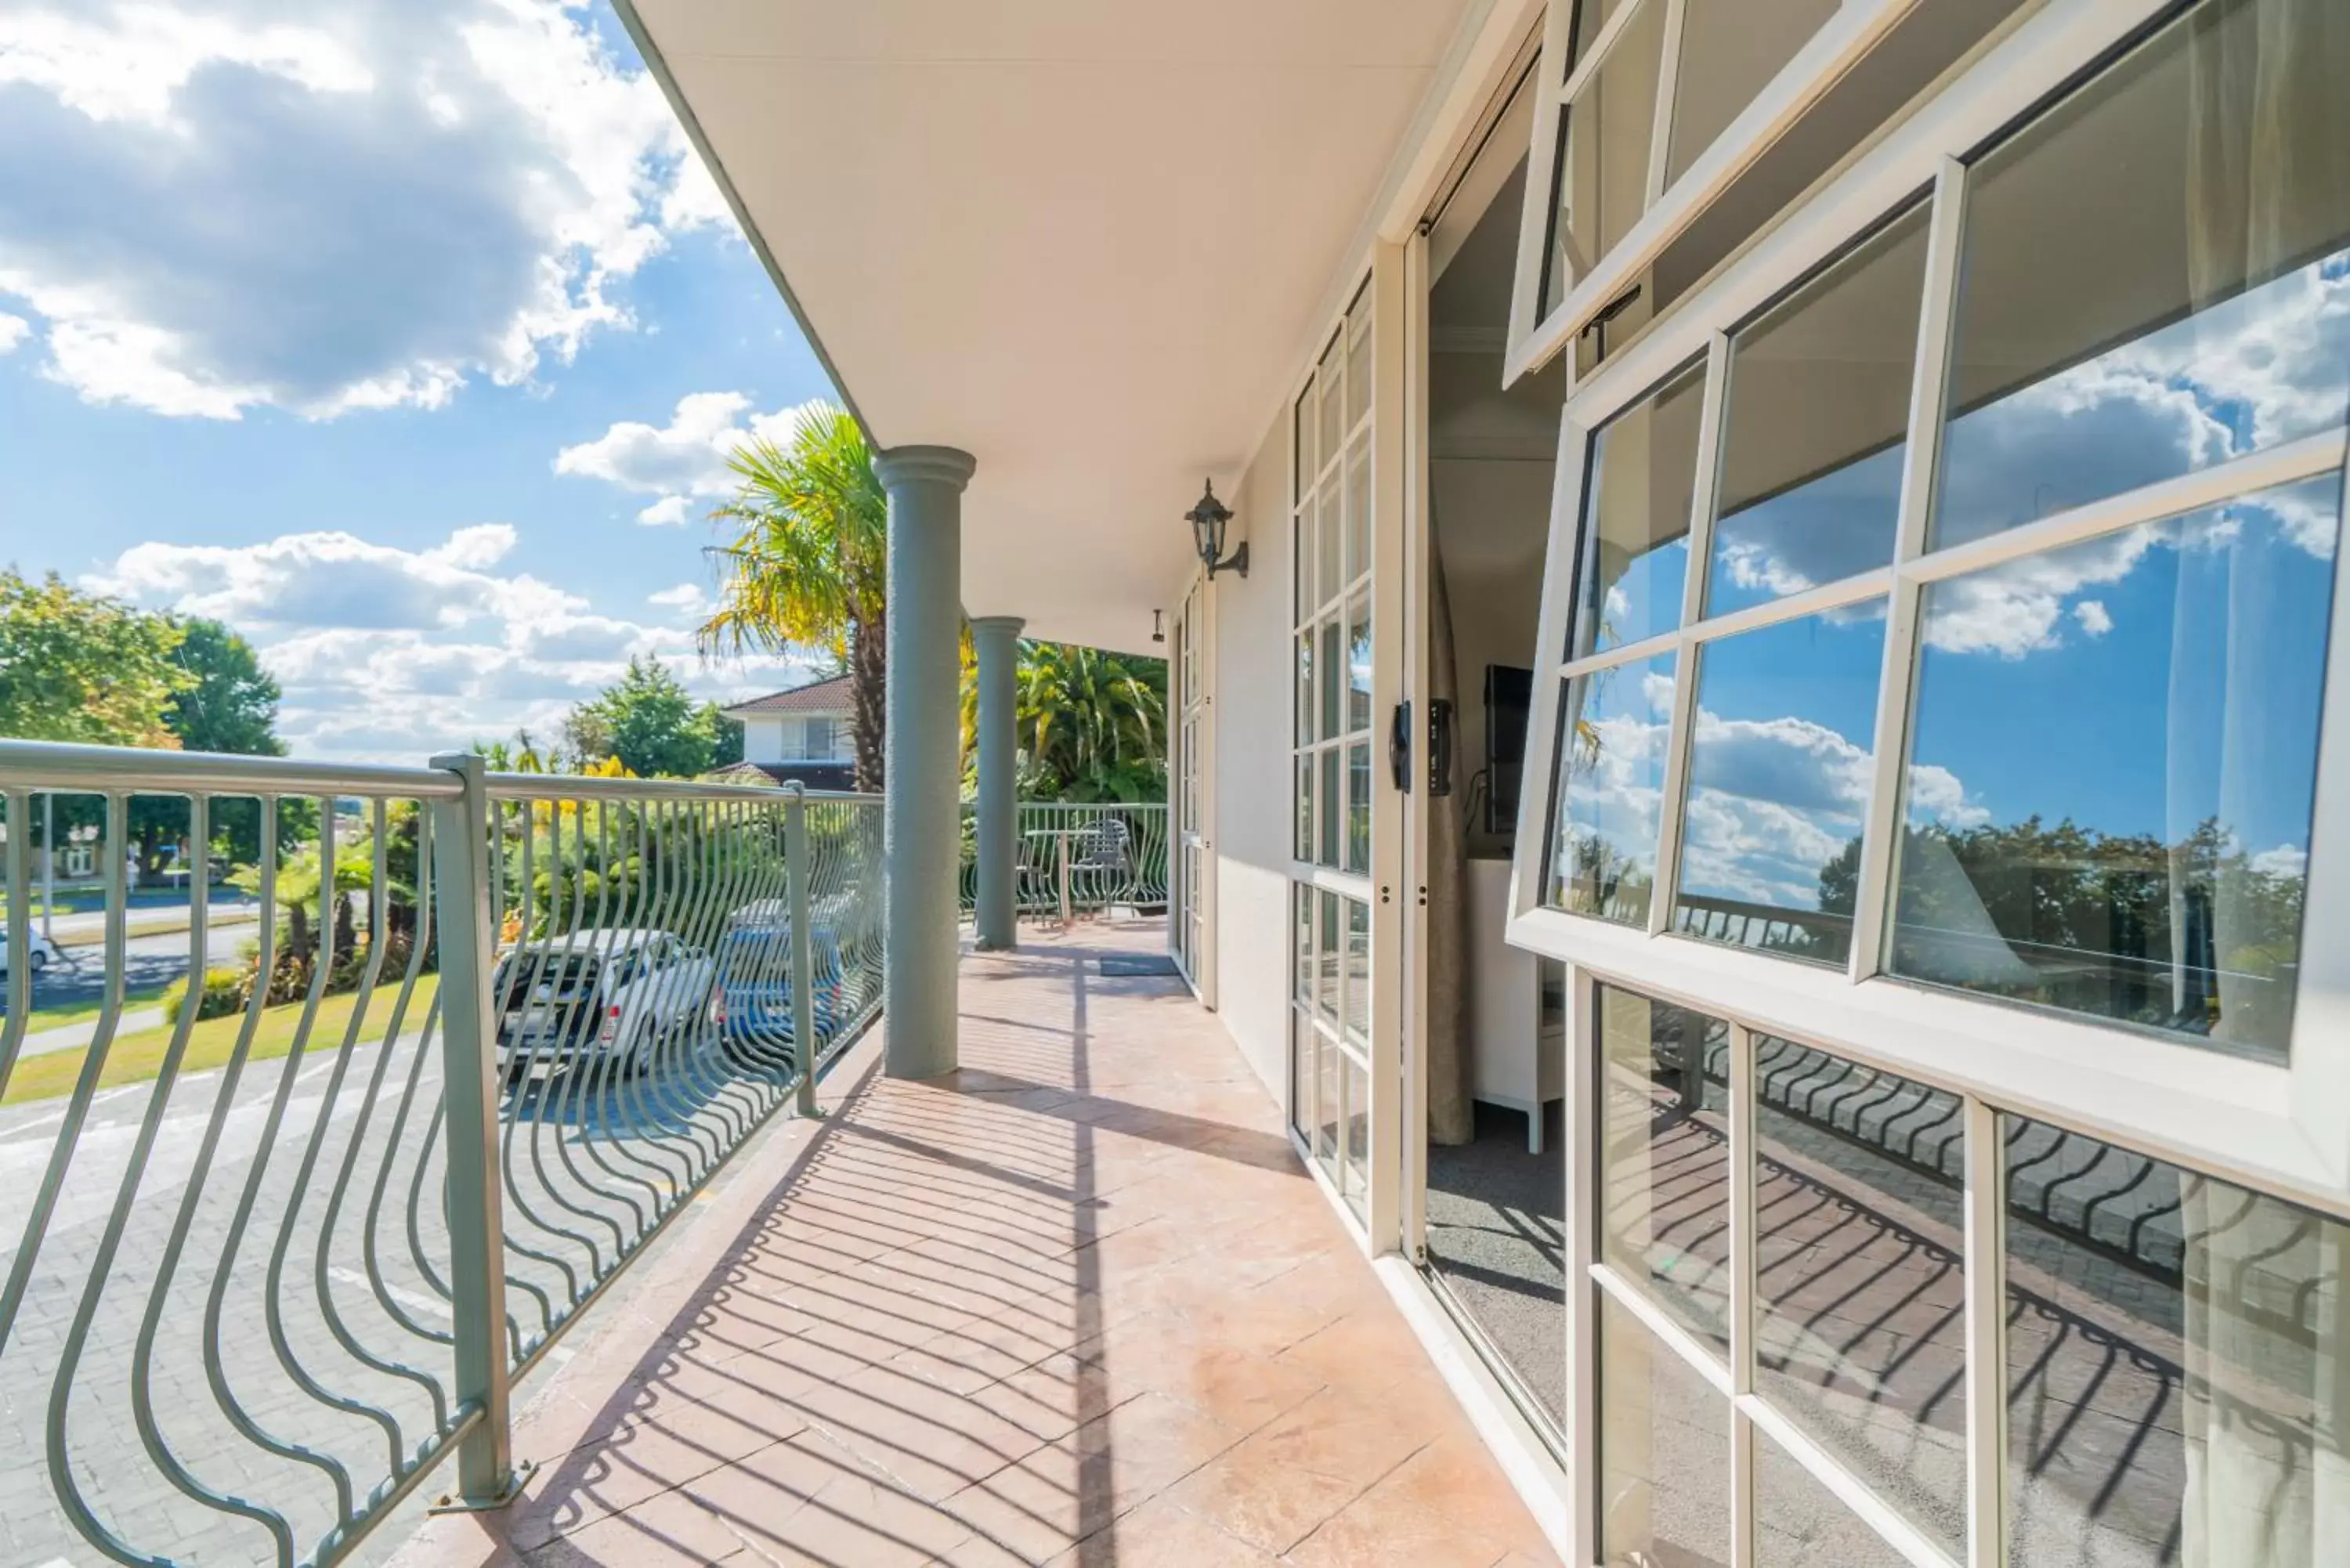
x=1517, y=1021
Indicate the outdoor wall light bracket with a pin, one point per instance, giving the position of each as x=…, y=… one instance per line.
x=1208, y=519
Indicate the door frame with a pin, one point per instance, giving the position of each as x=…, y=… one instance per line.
x=1193, y=905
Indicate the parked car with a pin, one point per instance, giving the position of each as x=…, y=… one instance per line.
x=598, y=995
x=753, y=1008
x=43, y=953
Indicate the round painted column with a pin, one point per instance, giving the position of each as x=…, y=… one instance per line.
x=921, y=812
x=996, y=638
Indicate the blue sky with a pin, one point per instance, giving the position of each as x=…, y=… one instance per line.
x=406, y=336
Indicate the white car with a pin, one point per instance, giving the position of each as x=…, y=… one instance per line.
x=45, y=953
x=605, y=994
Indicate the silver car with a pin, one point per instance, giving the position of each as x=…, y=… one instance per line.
x=605, y=994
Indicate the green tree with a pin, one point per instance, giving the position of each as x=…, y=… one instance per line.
x=1092, y=725
x=83, y=666
x=652, y=724
x=230, y=704
x=807, y=565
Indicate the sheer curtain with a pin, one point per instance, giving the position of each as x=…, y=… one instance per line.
x=2268, y=1348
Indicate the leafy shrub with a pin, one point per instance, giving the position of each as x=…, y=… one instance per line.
x=225, y=991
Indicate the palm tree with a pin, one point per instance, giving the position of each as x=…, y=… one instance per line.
x=807, y=565
x=1092, y=722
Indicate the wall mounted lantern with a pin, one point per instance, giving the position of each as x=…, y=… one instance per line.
x=1207, y=520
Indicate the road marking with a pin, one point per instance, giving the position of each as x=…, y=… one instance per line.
x=35, y=1124
x=415, y=1301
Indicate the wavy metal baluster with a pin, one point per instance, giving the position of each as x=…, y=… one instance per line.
x=215, y=1299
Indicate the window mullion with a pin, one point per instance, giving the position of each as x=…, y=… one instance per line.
x=1986, y=1322
x=1671, y=808
x=1743, y=1292
x=1603, y=43
x=1929, y=389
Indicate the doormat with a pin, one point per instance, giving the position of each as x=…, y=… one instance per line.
x=1127, y=966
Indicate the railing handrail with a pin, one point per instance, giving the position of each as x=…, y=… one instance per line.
x=64, y=767
x=597, y=787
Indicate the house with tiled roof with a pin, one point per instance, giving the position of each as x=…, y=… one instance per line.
x=803, y=734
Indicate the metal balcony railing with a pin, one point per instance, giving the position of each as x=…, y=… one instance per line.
x=1106, y=858
x=266, y=1268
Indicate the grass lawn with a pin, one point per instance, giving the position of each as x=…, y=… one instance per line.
x=133, y=998
x=137, y=1057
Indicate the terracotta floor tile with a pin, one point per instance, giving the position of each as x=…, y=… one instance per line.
x=1271, y=1506
x=1079, y=1303
x=1383, y=1528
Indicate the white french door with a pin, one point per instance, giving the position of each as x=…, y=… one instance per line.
x=1188, y=927
x=1347, y=902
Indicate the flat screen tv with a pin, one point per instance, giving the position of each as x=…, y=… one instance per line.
x=1509, y=692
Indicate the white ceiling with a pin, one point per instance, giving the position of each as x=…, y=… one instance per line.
x=1084, y=240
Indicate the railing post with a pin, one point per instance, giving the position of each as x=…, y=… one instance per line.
x=462, y=868
x=796, y=877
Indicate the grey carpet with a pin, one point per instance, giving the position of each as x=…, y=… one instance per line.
x=1496, y=1241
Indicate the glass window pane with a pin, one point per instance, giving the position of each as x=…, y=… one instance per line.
x=2112, y=771
x=1817, y=414
x=1358, y=972
x=1663, y=1166
x=1329, y=541
x=1358, y=666
x=1611, y=766
x=1359, y=359
x=1730, y=51
x=1303, y=478
x=1601, y=185
x=1636, y=517
x=2175, y=1347
x=1860, y=1337
x=1664, y=1452
x=1359, y=512
x=2197, y=309
x=1327, y=1060
x=1357, y=1145
x=1799, y=1523
x=1325, y=959
x=1301, y=1072
x=1305, y=846
x=1302, y=563
x=1305, y=733
x=1334, y=809
x=1333, y=679
x=1301, y=939
x=1358, y=808
x=1333, y=396
x=1779, y=778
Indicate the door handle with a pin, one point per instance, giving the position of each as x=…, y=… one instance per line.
x=1439, y=747
x=1399, y=746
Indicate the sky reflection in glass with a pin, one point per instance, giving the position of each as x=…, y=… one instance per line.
x=2197, y=310
x=1612, y=778
x=2113, y=768
x=1642, y=482
x=1779, y=778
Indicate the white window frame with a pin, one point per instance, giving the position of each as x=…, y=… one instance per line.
x=2284, y=1129
x=1193, y=815
x=1839, y=43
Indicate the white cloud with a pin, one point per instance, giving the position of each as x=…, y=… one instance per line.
x=2289, y=860
x=388, y=654
x=14, y=329
x=2094, y=619
x=683, y=460
x=690, y=601
x=242, y=203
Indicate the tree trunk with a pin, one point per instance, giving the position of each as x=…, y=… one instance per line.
x=869, y=669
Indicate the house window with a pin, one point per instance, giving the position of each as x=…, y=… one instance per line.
x=816, y=739
x=2100, y=659
x=1936, y=797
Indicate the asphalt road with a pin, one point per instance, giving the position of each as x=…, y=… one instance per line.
x=150, y=964
x=316, y=1224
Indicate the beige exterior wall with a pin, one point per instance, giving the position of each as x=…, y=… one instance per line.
x=1251, y=830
